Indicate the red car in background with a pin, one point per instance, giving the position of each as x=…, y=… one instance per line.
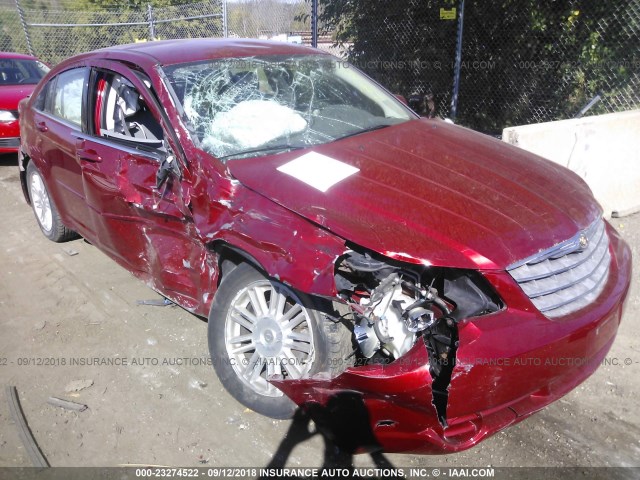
x=19, y=75
x=448, y=283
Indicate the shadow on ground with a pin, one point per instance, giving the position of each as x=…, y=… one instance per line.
x=344, y=426
x=9, y=159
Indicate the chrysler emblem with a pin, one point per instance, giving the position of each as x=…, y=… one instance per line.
x=583, y=241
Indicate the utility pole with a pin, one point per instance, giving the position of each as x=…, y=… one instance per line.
x=225, y=21
x=152, y=27
x=23, y=22
x=314, y=23
x=456, y=74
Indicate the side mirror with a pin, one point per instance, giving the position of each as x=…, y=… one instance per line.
x=168, y=166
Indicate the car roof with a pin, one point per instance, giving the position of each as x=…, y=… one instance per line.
x=169, y=52
x=20, y=56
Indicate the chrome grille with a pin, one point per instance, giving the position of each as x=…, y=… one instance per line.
x=568, y=276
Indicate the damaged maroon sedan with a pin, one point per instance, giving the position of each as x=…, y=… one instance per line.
x=335, y=241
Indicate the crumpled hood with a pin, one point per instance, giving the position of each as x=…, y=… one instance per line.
x=433, y=193
x=10, y=95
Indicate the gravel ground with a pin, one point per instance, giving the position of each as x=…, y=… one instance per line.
x=59, y=306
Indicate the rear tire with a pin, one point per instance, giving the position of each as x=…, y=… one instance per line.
x=259, y=327
x=43, y=208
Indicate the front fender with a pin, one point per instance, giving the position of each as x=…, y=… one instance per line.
x=283, y=244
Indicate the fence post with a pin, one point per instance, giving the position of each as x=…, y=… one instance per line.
x=152, y=27
x=314, y=23
x=456, y=74
x=225, y=23
x=23, y=22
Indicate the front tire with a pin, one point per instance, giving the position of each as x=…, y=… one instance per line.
x=43, y=208
x=258, y=328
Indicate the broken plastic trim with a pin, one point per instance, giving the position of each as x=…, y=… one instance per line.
x=441, y=341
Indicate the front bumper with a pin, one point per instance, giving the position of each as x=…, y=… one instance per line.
x=509, y=365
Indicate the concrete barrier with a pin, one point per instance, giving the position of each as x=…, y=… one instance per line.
x=604, y=150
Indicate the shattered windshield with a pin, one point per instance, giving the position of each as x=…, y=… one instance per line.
x=241, y=107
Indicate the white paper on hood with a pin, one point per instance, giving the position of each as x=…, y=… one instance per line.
x=317, y=170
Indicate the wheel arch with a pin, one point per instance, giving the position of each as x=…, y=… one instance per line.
x=305, y=266
x=229, y=256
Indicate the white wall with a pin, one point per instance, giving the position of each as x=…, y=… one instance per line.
x=604, y=150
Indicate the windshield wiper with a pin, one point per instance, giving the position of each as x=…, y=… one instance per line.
x=262, y=150
x=365, y=130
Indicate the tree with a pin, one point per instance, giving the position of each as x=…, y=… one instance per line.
x=523, y=61
x=403, y=44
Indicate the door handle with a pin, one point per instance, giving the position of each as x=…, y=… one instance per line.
x=42, y=126
x=89, y=155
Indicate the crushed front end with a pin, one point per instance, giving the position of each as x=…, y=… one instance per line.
x=444, y=357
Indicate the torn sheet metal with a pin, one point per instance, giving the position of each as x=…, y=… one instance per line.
x=286, y=246
x=398, y=399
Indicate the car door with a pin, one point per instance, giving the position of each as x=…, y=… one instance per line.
x=58, y=122
x=146, y=229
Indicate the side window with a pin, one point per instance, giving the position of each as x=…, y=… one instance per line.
x=67, y=95
x=122, y=113
x=41, y=100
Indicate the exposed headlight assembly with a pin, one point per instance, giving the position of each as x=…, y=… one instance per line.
x=394, y=305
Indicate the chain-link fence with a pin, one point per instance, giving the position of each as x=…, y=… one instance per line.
x=53, y=34
x=267, y=18
x=559, y=57
x=12, y=37
x=406, y=45
x=521, y=61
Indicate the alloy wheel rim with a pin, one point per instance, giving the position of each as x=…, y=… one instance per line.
x=268, y=332
x=41, y=202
